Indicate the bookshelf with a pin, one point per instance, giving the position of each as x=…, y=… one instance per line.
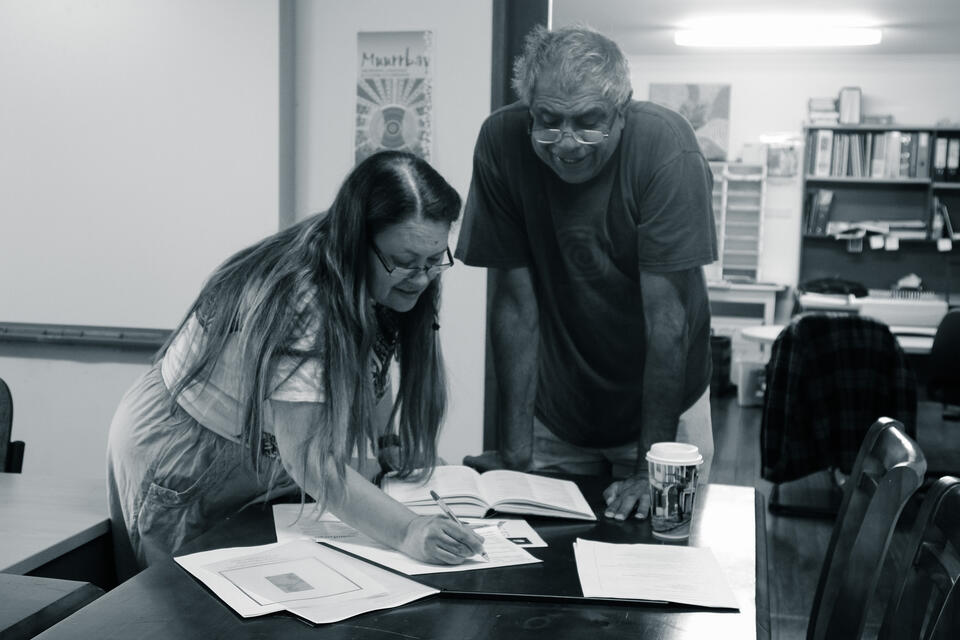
x=876, y=198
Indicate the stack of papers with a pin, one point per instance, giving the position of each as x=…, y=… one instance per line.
x=654, y=572
x=307, y=579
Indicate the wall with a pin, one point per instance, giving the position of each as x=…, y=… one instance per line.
x=138, y=148
x=326, y=95
x=769, y=94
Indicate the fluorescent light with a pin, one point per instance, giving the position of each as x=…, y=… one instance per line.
x=777, y=31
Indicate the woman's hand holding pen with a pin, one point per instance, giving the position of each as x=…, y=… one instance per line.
x=440, y=540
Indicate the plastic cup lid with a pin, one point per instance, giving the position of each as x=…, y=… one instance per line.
x=678, y=453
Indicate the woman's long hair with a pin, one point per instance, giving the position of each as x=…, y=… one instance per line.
x=253, y=298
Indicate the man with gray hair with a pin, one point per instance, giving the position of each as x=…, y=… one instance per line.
x=594, y=214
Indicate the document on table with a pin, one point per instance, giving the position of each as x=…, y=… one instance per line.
x=327, y=526
x=312, y=581
x=516, y=530
x=502, y=552
x=666, y=573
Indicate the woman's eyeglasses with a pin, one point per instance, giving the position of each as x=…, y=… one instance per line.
x=403, y=273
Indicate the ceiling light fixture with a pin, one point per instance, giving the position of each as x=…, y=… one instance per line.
x=777, y=32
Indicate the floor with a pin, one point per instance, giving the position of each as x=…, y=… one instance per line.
x=796, y=545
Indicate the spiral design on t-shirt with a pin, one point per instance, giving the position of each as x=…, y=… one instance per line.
x=583, y=253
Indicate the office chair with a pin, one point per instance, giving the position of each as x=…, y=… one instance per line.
x=943, y=383
x=829, y=376
x=925, y=604
x=11, y=452
x=888, y=469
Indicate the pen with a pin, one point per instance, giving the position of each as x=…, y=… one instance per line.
x=450, y=514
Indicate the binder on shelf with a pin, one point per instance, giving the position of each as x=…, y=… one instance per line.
x=892, y=160
x=907, y=156
x=953, y=159
x=940, y=158
x=849, y=105
x=878, y=165
x=923, y=155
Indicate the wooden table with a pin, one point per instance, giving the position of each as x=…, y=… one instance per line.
x=915, y=340
x=166, y=602
x=29, y=605
x=42, y=518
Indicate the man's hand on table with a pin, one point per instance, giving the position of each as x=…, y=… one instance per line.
x=490, y=460
x=623, y=495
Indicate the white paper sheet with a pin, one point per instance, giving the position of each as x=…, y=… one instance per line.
x=328, y=526
x=502, y=552
x=665, y=573
x=310, y=580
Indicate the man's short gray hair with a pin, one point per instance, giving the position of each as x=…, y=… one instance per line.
x=579, y=56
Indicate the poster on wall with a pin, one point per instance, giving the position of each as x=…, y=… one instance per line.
x=706, y=106
x=394, y=101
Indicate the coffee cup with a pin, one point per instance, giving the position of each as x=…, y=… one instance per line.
x=673, y=472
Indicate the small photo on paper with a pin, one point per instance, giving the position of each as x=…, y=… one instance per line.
x=290, y=580
x=289, y=583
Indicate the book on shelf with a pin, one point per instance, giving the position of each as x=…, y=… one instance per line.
x=818, y=212
x=473, y=495
x=822, y=104
x=892, y=160
x=936, y=220
x=948, y=228
x=823, y=154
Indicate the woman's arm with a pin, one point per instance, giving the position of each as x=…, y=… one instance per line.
x=359, y=503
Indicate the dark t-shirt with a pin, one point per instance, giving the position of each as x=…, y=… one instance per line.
x=649, y=209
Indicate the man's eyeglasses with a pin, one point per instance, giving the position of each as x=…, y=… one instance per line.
x=583, y=136
x=403, y=273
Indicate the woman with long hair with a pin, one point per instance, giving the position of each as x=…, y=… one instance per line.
x=279, y=374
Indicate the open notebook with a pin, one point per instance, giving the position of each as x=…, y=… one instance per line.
x=472, y=494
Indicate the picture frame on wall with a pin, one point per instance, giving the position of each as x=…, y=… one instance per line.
x=706, y=106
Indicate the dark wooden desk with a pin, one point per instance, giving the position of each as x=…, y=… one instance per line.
x=29, y=605
x=43, y=518
x=166, y=602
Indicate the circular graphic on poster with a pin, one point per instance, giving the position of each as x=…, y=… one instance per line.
x=392, y=114
x=390, y=128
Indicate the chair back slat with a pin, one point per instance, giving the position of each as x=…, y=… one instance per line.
x=888, y=470
x=925, y=605
x=6, y=422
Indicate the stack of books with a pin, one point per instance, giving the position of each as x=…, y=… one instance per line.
x=823, y=111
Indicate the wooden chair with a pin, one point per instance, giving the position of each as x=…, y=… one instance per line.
x=888, y=469
x=11, y=452
x=925, y=605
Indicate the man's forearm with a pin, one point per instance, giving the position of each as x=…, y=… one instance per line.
x=515, y=338
x=663, y=377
